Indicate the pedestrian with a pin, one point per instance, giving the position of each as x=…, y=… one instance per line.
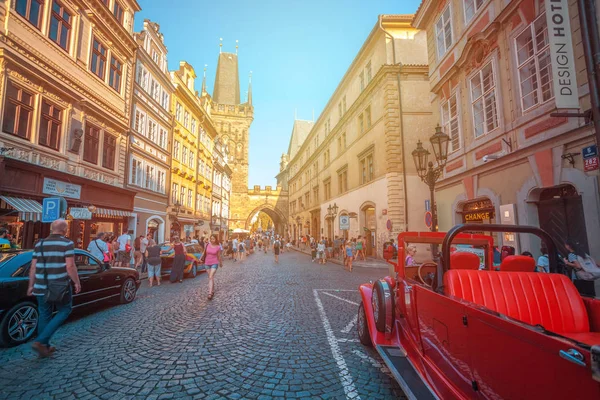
x=241, y=250
x=543, y=262
x=321, y=252
x=349, y=256
x=52, y=264
x=143, y=246
x=114, y=246
x=276, y=249
x=359, y=248
x=138, y=258
x=99, y=249
x=154, y=261
x=212, y=260
x=313, y=251
x=124, y=254
x=409, y=261
x=4, y=242
x=178, y=261
x=234, y=248
x=329, y=248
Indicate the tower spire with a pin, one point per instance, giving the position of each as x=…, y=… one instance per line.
x=250, y=88
x=204, y=80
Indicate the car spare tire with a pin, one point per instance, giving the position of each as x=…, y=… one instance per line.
x=382, y=301
x=362, y=326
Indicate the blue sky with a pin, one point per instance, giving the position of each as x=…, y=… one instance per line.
x=297, y=51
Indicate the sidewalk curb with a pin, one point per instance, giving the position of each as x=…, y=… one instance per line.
x=355, y=264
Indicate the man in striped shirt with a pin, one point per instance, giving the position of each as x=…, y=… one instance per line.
x=58, y=262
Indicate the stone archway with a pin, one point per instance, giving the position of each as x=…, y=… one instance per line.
x=279, y=220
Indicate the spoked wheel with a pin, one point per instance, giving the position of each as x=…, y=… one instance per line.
x=19, y=324
x=363, y=327
x=128, y=291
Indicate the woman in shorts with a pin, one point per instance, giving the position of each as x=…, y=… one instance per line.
x=154, y=262
x=349, y=256
x=213, y=259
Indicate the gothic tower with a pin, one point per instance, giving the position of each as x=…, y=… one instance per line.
x=232, y=121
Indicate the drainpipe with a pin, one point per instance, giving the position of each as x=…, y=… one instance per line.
x=401, y=124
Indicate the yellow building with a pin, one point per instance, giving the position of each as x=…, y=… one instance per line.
x=66, y=77
x=357, y=154
x=191, y=161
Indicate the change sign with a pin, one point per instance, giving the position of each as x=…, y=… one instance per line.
x=561, y=53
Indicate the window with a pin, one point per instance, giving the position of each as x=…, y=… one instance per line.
x=60, y=25
x=471, y=8
x=136, y=172
x=178, y=111
x=368, y=117
x=192, y=162
x=484, y=104
x=343, y=180
x=18, y=108
x=155, y=90
x=344, y=105
x=361, y=123
x=344, y=140
x=450, y=122
x=186, y=119
x=176, y=148
x=366, y=171
x=162, y=137
x=193, y=125
x=327, y=189
x=198, y=202
x=184, y=155
x=139, y=123
x=340, y=109
x=307, y=199
x=316, y=194
x=98, y=64
x=31, y=10
x=190, y=198
x=160, y=184
x=142, y=76
x=149, y=182
x=361, y=77
x=118, y=12
x=368, y=71
x=165, y=100
x=152, y=130
x=50, y=125
x=182, y=196
x=174, y=192
x=91, y=143
x=535, y=68
x=443, y=28
x=116, y=71
x=201, y=167
x=155, y=56
x=109, y=151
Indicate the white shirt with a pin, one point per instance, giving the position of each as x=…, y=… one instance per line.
x=321, y=247
x=123, y=239
x=98, y=247
x=144, y=244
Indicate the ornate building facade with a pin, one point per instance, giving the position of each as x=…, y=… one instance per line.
x=66, y=76
x=356, y=156
x=511, y=160
x=149, y=160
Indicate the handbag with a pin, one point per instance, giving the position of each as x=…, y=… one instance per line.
x=127, y=248
x=57, y=292
x=106, y=257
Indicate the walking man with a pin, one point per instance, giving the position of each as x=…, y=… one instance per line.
x=52, y=261
x=276, y=249
x=124, y=254
x=235, y=249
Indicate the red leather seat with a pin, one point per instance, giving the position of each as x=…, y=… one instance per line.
x=550, y=300
x=464, y=260
x=518, y=263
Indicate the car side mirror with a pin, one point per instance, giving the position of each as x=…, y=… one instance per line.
x=105, y=266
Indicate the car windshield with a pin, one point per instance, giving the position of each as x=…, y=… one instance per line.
x=4, y=257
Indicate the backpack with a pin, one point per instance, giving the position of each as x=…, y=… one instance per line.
x=276, y=244
x=589, y=267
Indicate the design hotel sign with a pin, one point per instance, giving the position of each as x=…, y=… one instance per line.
x=561, y=52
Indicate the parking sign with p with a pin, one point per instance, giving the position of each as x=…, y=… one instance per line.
x=51, y=209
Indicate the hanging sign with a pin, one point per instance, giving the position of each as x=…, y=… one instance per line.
x=344, y=222
x=561, y=53
x=80, y=213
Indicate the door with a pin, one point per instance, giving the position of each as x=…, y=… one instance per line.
x=91, y=279
x=561, y=215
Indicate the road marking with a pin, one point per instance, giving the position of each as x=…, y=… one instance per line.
x=341, y=298
x=350, y=325
x=344, y=340
x=383, y=368
x=344, y=374
x=336, y=290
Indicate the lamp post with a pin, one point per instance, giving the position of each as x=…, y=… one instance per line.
x=426, y=170
x=176, y=208
x=331, y=214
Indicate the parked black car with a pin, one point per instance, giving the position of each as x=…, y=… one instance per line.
x=18, y=312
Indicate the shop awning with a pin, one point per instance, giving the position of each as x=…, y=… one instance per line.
x=29, y=210
x=108, y=212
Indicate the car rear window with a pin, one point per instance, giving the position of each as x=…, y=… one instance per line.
x=4, y=257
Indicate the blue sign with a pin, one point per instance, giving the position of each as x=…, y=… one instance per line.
x=427, y=205
x=51, y=209
x=590, y=151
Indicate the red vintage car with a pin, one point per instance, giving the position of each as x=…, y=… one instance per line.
x=460, y=328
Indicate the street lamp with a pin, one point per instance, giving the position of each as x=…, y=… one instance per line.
x=331, y=214
x=177, y=207
x=425, y=169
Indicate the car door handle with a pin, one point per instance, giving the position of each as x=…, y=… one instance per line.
x=573, y=356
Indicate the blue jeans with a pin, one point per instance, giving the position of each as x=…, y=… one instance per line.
x=47, y=324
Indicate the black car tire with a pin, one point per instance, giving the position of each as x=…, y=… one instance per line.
x=128, y=291
x=193, y=271
x=383, y=306
x=5, y=338
x=362, y=327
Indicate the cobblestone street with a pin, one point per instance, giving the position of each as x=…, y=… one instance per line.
x=272, y=331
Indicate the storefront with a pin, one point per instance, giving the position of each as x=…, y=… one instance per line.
x=23, y=187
